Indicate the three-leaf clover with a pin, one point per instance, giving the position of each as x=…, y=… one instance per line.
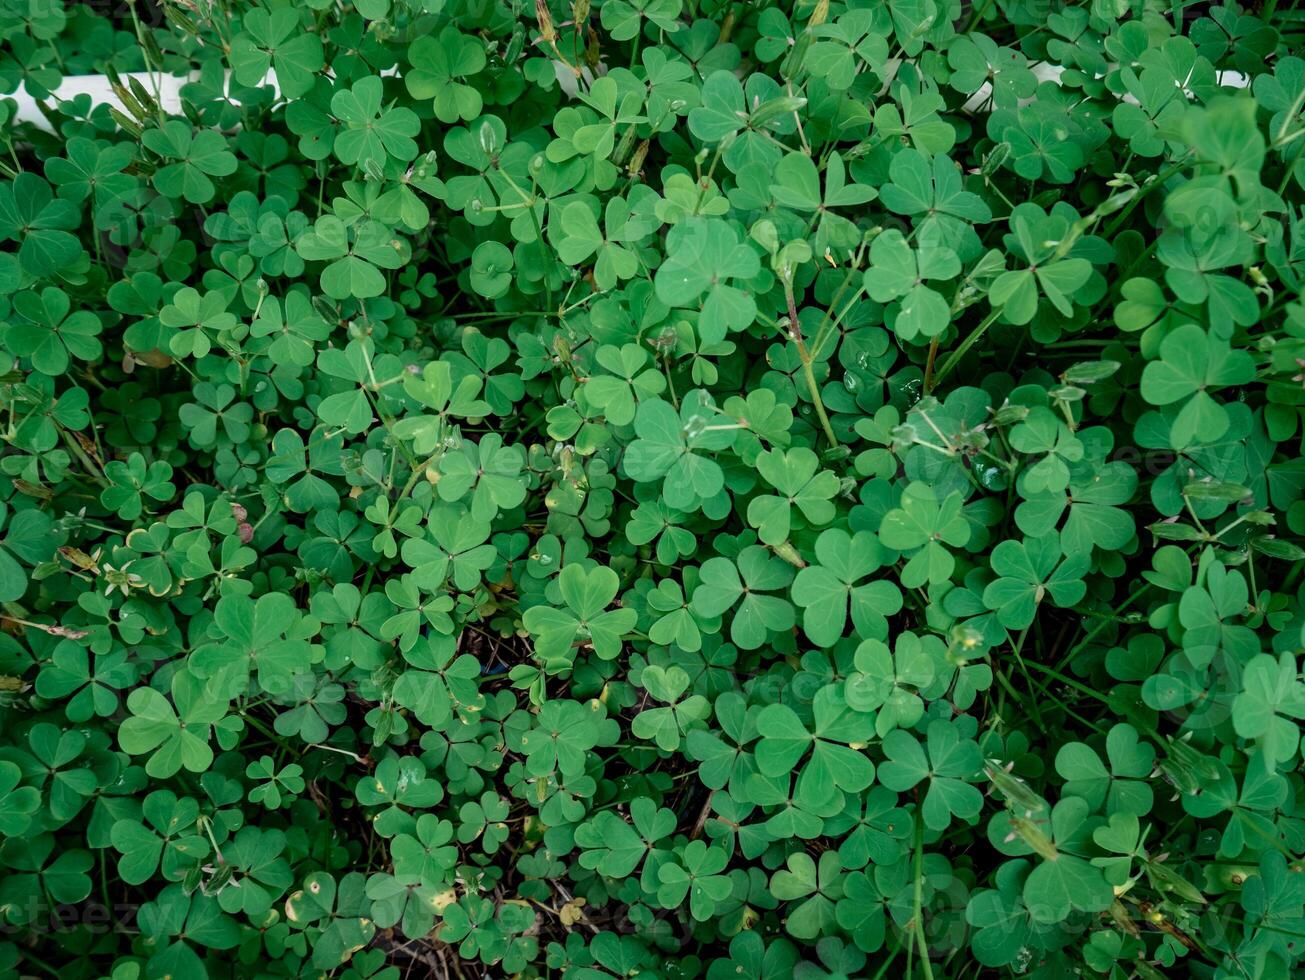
x=49, y=334
x=740, y=584
x=276, y=39
x=1064, y=880
x=666, y=725
x=803, y=486
x=1030, y=571
x=355, y=256
x=1270, y=706
x=580, y=238
x=1192, y=363
x=897, y=274
x=199, y=156
x=440, y=66
x=671, y=446
x=695, y=873
x=702, y=256
x=832, y=588
x=616, y=848
x=835, y=729
x=40, y=223
x=371, y=135
x=175, y=733
x=925, y=527
x=948, y=763
x=585, y=617
x=1039, y=239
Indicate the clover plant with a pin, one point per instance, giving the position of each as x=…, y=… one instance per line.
x=589, y=489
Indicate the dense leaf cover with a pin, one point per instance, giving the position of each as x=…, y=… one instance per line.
x=675, y=488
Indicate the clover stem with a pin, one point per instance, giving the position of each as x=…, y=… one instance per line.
x=529, y=201
x=417, y=470
x=797, y=117
x=1187, y=505
x=916, y=925
x=1291, y=167
x=814, y=388
x=978, y=15
x=1163, y=176
x=887, y=963
x=966, y=344
x=670, y=382
x=928, y=366
x=331, y=748
x=1019, y=659
x=704, y=180
x=795, y=334
x=207, y=824
x=93, y=469
x=155, y=72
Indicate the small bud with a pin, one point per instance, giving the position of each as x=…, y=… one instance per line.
x=545, y=21
x=637, y=158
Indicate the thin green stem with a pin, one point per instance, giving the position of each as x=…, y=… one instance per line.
x=975, y=336
x=808, y=372
x=917, y=926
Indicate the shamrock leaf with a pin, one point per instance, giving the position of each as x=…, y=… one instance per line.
x=175, y=734
x=1122, y=786
x=356, y=256
x=834, y=763
x=615, y=258
x=1016, y=292
x=275, y=38
x=816, y=890
x=723, y=582
x=932, y=193
x=616, y=848
x=267, y=637
x=372, y=134
x=891, y=683
x=925, y=527
x=198, y=158
x=702, y=255
x=585, y=618
x=488, y=472
x=565, y=734
x=88, y=682
x=1064, y=880
x=897, y=274
x=1272, y=696
x=440, y=67
x=948, y=763
x=1030, y=571
x=666, y=726
x=629, y=381
x=167, y=832
x=1192, y=364
x=829, y=590
x=695, y=874
x=132, y=481
x=49, y=334
x=31, y=215
x=802, y=486
x=17, y=803
x=668, y=448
